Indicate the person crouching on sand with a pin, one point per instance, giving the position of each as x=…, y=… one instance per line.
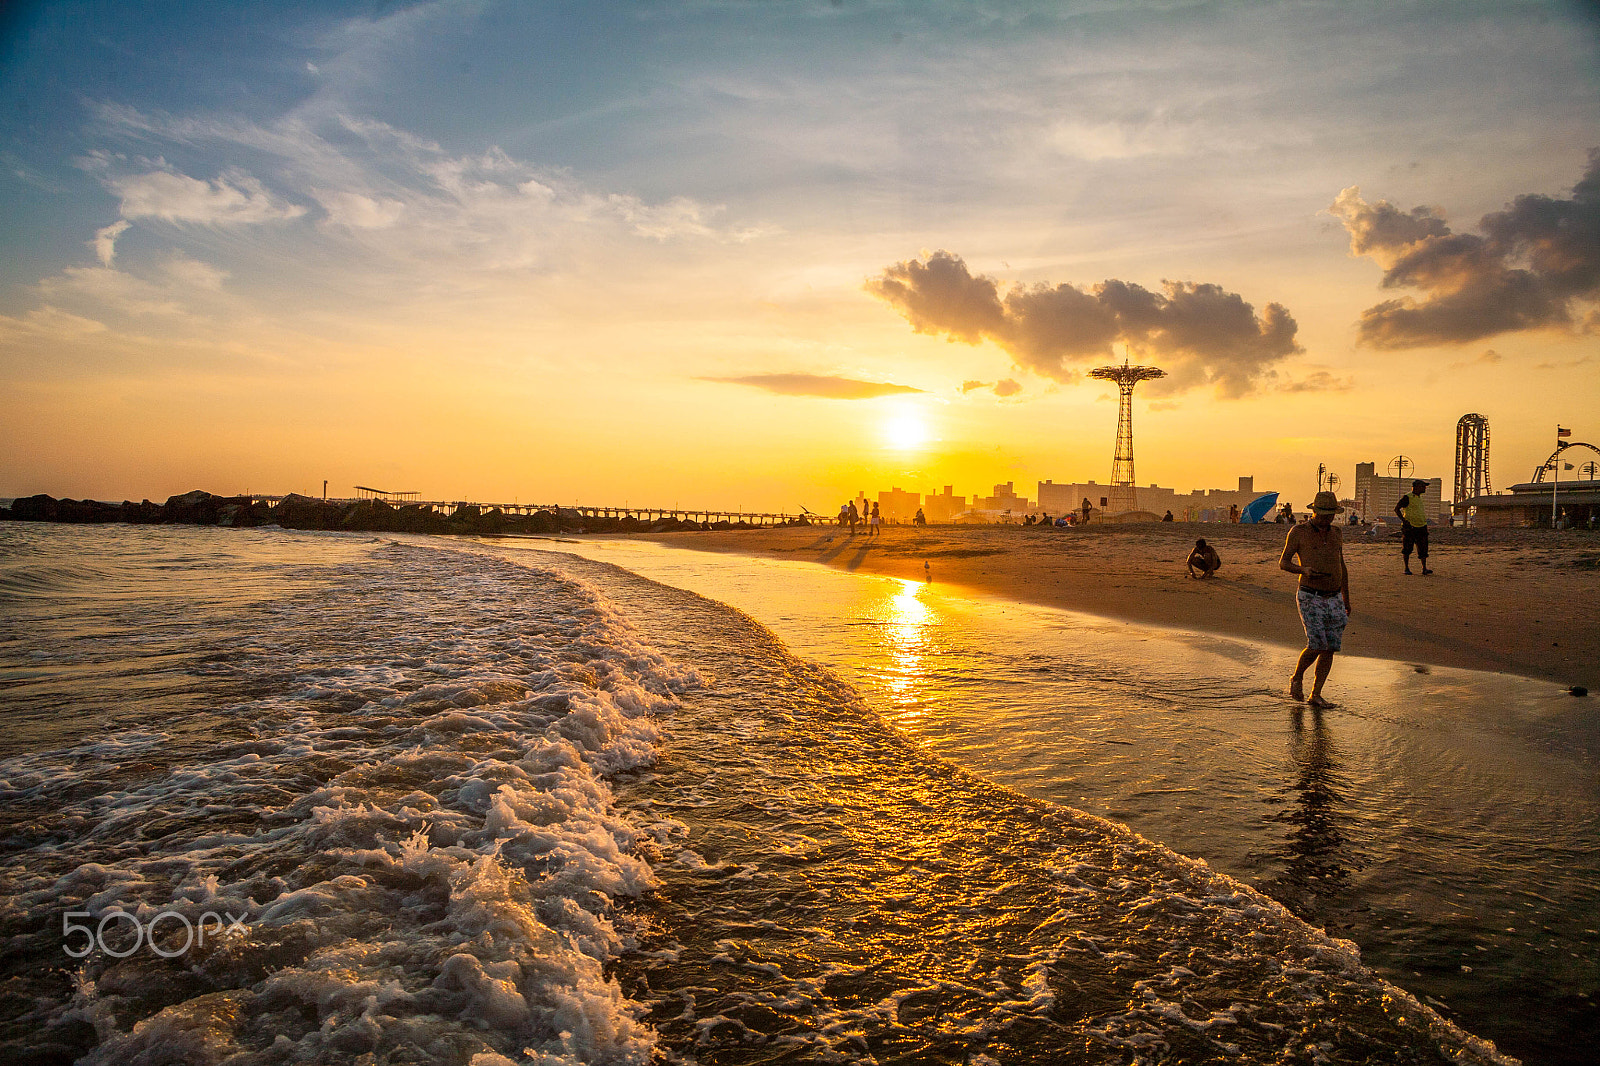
x=1204, y=560
x=1324, y=594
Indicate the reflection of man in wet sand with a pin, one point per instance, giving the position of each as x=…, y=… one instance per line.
x=1324, y=593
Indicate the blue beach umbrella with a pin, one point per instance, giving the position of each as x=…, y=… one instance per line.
x=1257, y=509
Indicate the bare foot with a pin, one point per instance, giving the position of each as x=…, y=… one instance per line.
x=1318, y=702
x=1425, y=570
x=1297, y=689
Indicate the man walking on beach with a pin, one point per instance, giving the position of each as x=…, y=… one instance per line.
x=1413, y=514
x=1324, y=593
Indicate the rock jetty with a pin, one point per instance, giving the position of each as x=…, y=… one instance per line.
x=200, y=508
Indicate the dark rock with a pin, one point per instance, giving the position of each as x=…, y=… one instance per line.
x=195, y=508
x=142, y=513
x=295, y=511
x=369, y=516
x=40, y=508
x=242, y=512
x=417, y=518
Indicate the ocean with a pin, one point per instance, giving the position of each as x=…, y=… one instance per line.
x=301, y=797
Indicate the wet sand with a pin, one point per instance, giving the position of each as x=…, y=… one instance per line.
x=1518, y=601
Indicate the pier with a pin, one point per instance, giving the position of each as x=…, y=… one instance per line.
x=701, y=515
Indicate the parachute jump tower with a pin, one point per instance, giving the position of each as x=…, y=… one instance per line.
x=1124, y=493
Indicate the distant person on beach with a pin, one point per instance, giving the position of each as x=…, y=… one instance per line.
x=1285, y=515
x=1204, y=560
x=854, y=516
x=1324, y=594
x=1086, y=510
x=1413, y=514
x=844, y=515
x=1233, y=512
x=1167, y=517
x=921, y=518
x=876, y=525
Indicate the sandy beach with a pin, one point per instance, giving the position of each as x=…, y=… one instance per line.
x=1517, y=601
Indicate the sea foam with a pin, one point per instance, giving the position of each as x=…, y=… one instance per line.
x=409, y=831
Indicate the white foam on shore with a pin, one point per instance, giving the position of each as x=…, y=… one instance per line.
x=418, y=837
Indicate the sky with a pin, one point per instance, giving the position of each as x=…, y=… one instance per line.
x=763, y=255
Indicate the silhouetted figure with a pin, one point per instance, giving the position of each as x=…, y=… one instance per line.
x=875, y=526
x=1086, y=510
x=1233, y=513
x=921, y=518
x=855, y=516
x=1324, y=593
x=1413, y=514
x=1203, y=561
x=1167, y=517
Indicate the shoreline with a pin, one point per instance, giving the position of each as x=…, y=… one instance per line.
x=1503, y=600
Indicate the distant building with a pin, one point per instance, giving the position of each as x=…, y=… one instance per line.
x=897, y=505
x=1376, y=496
x=1528, y=505
x=1201, y=505
x=1005, y=498
x=943, y=507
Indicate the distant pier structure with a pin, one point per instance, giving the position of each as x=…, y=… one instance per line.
x=1124, y=493
x=1472, y=459
x=366, y=492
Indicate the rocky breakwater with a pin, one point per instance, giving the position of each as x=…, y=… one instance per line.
x=306, y=512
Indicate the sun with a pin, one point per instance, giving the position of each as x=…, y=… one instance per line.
x=905, y=431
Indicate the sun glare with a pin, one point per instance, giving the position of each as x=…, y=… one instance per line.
x=905, y=430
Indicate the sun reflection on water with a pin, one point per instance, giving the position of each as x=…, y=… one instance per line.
x=905, y=621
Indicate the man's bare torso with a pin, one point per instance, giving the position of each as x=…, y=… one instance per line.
x=1322, y=551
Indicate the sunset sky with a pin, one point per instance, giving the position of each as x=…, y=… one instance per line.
x=720, y=254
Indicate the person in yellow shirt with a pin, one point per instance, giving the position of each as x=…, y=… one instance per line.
x=1413, y=514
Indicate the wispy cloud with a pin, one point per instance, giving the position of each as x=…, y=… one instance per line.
x=827, y=387
x=232, y=198
x=1200, y=331
x=105, y=241
x=1320, y=381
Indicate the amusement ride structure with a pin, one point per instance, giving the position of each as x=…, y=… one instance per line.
x=1472, y=459
x=1124, y=493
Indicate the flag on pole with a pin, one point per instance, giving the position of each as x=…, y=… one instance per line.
x=1563, y=432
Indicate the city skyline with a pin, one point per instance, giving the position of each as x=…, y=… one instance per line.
x=702, y=253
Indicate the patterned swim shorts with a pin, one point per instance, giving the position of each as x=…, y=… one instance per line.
x=1324, y=618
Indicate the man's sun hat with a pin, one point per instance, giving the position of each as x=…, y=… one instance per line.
x=1419, y=484
x=1326, y=503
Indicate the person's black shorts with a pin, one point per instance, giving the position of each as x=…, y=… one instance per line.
x=1414, y=536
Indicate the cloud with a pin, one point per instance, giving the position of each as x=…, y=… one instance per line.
x=1320, y=381
x=233, y=198
x=1199, y=332
x=1526, y=269
x=105, y=241
x=194, y=273
x=832, y=388
x=970, y=386
x=1006, y=387
x=388, y=195
x=357, y=211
